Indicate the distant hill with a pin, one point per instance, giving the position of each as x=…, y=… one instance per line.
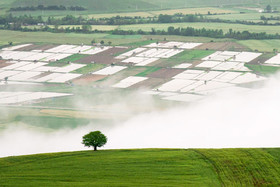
x=146, y=167
x=98, y=6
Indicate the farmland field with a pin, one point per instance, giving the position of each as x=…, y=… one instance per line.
x=224, y=26
x=262, y=45
x=177, y=167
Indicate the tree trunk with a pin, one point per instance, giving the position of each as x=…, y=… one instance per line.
x=95, y=148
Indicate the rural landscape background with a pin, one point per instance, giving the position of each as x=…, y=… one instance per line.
x=187, y=92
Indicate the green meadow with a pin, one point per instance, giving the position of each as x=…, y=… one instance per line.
x=145, y=167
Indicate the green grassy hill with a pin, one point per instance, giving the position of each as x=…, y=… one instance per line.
x=147, y=167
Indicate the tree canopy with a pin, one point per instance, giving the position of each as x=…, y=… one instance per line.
x=94, y=139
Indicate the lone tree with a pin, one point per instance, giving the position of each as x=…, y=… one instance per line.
x=94, y=139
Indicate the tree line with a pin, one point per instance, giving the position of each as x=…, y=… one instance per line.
x=277, y=18
x=188, y=31
x=51, y=7
x=126, y=20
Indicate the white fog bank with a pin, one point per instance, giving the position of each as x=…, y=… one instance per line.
x=227, y=120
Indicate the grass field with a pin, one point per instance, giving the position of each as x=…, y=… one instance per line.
x=246, y=17
x=266, y=70
x=146, y=167
x=148, y=71
x=73, y=38
x=191, y=55
x=89, y=68
x=261, y=45
x=224, y=26
x=73, y=58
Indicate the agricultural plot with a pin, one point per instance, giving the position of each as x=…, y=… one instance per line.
x=140, y=61
x=232, y=56
x=183, y=66
x=31, y=66
x=179, y=45
x=21, y=97
x=203, y=83
x=16, y=65
x=55, y=57
x=8, y=73
x=32, y=56
x=45, y=68
x=160, y=53
x=227, y=76
x=5, y=83
x=37, y=56
x=208, y=64
x=130, y=53
x=69, y=68
x=15, y=47
x=274, y=60
x=95, y=50
x=24, y=76
x=175, y=85
x=129, y=81
x=52, y=54
x=246, y=57
x=60, y=48
x=195, y=76
x=109, y=70
x=247, y=77
x=25, y=69
x=48, y=77
x=64, y=78
x=228, y=60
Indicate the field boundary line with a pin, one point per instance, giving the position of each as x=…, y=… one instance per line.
x=212, y=163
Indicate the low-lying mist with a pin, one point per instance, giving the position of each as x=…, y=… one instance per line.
x=226, y=120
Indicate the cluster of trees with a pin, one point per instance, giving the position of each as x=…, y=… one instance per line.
x=189, y=31
x=51, y=7
x=21, y=20
x=270, y=18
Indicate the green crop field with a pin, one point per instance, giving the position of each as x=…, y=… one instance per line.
x=191, y=55
x=73, y=58
x=74, y=38
x=89, y=68
x=148, y=71
x=145, y=167
x=261, y=45
x=247, y=17
x=266, y=70
x=224, y=26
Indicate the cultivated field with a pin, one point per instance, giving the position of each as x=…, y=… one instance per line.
x=186, y=74
x=193, y=167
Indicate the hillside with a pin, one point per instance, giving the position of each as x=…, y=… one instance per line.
x=147, y=167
